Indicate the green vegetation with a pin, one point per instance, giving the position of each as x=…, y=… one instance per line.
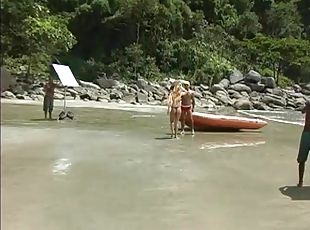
x=200, y=40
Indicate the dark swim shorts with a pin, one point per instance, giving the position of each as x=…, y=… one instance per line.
x=304, y=147
x=48, y=104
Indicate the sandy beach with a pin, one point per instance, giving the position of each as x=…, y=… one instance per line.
x=114, y=167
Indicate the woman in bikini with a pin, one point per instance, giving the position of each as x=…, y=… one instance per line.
x=174, y=107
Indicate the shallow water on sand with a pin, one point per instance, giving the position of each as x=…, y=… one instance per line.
x=119, y=170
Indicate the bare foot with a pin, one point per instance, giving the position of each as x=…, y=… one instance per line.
x=300, y=184
x=182, y=132
x=193, y=132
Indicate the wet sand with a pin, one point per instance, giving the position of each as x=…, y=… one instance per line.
x=119, y=170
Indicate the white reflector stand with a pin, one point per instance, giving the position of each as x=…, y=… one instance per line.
x=68, y=80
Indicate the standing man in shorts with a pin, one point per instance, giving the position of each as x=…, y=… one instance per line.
x=48, y=103
x=304, y=146
x=187, y=107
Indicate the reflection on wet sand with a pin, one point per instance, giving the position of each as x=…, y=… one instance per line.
x=116, y=170
x=233, y=142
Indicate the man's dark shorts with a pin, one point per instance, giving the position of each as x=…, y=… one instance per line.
x=304, y=147
x=48, y=104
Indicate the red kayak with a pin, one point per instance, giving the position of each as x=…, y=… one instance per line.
x=212, y=122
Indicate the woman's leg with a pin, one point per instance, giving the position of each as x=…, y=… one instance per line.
x=177, y=116
x=171, y=121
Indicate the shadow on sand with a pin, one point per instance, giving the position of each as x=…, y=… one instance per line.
x=42, y=119
x=163, y=138
x=296, y=193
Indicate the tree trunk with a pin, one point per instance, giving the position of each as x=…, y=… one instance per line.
x=278, y=73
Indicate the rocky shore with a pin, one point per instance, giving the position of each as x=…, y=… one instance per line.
x=243, y=92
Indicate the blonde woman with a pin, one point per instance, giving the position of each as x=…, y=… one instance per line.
x=174, y=107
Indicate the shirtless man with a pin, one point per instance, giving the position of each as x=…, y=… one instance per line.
x=187, y=107
x=48, y=104
x=304, y=146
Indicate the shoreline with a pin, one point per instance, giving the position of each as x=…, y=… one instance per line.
x=91, y=104
x=144, y=108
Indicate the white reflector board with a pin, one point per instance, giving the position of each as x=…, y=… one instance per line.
x=65, y=75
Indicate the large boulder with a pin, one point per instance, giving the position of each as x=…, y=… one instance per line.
x=8, y=95
x=307, y=87
x=217, y=87
x=141, y=98
x=279, y=92
x=253, y=77
x=269, y=82
x=260, y=106
x=107, y=83
x=306, y=91
x=116, y=95
x=297, y=88
x=58, y=96
x=142, y=84
x=7, y=80
x=273, y=100
x=225, y=83
x=243, y=104
x=236, y=77
x=89, y=85
x=129, y=98
x=258, y=87
x=234, y=94
x=240, y=87
x=223, y=98
x=203, y=87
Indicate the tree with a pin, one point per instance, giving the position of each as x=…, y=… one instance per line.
x=32, y=36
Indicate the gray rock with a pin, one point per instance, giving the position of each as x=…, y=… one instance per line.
x=58, y=96
x=258, y=87
x=290, y=103
x=305, y=91
x=299, y=102
x=73, y=92
x=236, y=77
x=234, y=94
x=209, y=104
x=224, y=83
x=142, y=84
x=243, y=104
x=37, y=97
x=217, y=87
x=141, y=98
x=89, y=85
x=203, y=87
x=17, y=89
x=107, y=83
x=307, y=87
x=297, y=88
x=116, y=95
x=132, y=90
x=244, y=94
x=144, y=92
x=269, y=82
x=223, y=98
x=8, y=95
x=273, y=100
x=85, y=96
x=260, y=106
x=279, y=92
x=197, y=95
x=295, y=95
x=253, y=77
x=240, y=87
x=21, y=97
